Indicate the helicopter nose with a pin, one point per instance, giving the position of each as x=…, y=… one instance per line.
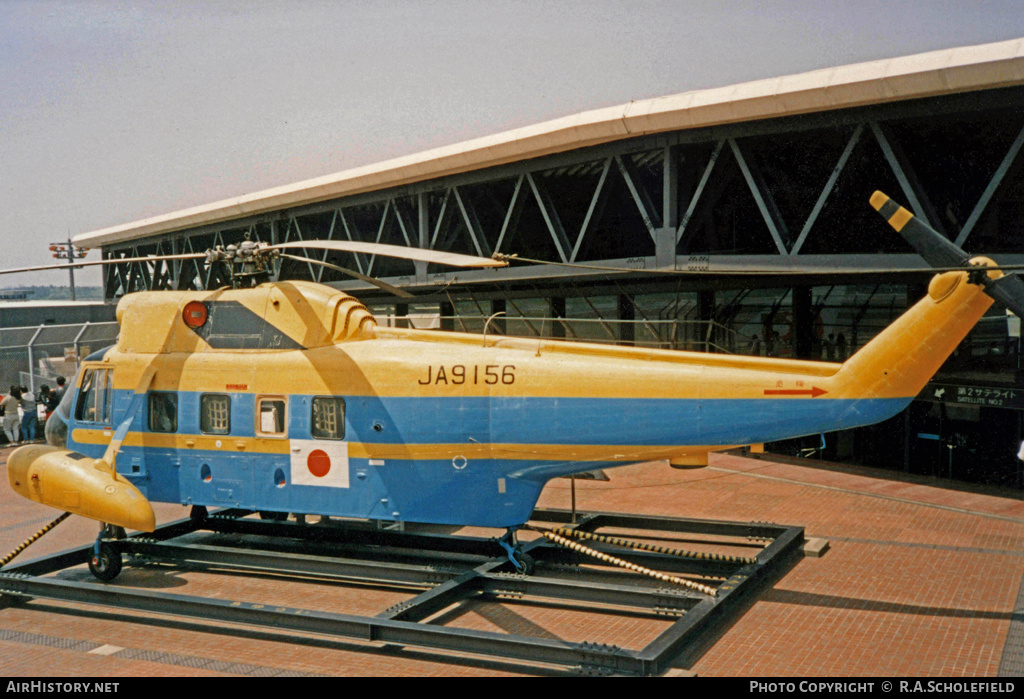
x=18, y=464
x=79, y=484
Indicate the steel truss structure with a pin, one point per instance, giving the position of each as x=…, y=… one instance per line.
x=643, y=233
x=786, y=194
x=442, y=571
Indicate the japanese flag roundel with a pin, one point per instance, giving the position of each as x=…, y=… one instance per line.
x=316, y=462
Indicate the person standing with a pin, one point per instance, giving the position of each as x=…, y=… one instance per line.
x=49, y=400
x=12, y=422
x=30, y=419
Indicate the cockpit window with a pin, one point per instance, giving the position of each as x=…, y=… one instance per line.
x=56, y=429
x=95, y=396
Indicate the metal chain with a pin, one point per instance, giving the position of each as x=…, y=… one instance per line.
x=625, y=543
x=25, y=544
x=580, y=548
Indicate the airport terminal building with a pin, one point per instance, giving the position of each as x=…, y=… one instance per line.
x=733, y=219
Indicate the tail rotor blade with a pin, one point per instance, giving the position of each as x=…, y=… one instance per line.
x=1007, y=290
x=939, y=252
x=934, y=247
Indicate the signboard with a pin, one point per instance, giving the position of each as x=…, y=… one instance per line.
x=1010, y=397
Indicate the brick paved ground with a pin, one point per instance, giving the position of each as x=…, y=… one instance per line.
x=921, y=579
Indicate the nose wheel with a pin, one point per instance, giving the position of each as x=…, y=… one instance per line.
x=522, y=562
x=106, y=561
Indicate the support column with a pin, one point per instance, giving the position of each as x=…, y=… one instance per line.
x=500, y=323
x=275, y=238
x=803, y=324
x=665, y=243
x=174, y=267
x=627, y=312
x=906, y=438
x=557, y=306
x=401, y=315
x=447, y=316
x=706, y=308
x=423, y=234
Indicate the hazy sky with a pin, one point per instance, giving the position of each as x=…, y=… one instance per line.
x=114, y=111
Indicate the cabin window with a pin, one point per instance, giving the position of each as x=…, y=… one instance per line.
x=95, y=396
x=214, y=413
x=271, y=416
x=328, y=418
x=163, y=412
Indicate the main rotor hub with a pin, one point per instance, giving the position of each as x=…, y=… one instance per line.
x=249, y=260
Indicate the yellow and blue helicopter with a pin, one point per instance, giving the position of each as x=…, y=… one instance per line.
x=289, y=397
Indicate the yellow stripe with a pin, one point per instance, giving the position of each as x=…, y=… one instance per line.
x=900, y=219
x=398, y=368
x=185, y=442
x=411, y=452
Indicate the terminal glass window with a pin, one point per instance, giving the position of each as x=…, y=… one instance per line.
x=214, y=413
x=163, y=412
x=271, y=413
x=328, y=418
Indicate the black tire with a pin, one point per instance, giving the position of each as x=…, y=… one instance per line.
x=528, y=564
x=107, y=565
x=273, y=516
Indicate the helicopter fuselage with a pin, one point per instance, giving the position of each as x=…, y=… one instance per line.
x=289, y=397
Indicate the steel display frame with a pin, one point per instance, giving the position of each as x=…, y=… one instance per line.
x=457, y=568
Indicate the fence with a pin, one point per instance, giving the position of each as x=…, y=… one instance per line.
x=36, y=355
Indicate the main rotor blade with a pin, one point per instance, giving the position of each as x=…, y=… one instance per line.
x=352, y=273
x=796, y=269
x=108, y=261
x=437, y=257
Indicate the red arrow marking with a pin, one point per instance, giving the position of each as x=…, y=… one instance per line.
x=812, y=392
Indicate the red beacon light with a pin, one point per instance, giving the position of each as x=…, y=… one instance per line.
x=195, y=314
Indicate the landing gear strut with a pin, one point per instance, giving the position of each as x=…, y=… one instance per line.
x=105, y=563
x=522, y=562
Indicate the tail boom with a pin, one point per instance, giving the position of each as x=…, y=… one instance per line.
x=900, y=361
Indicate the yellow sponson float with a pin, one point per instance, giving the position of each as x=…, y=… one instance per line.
x=79, y=484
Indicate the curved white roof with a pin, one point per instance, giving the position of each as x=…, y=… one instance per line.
x=923, y=75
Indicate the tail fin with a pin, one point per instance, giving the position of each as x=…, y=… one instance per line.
x=900, y=361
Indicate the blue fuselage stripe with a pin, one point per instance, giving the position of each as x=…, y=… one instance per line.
x=557, y=421
x=485, y=491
